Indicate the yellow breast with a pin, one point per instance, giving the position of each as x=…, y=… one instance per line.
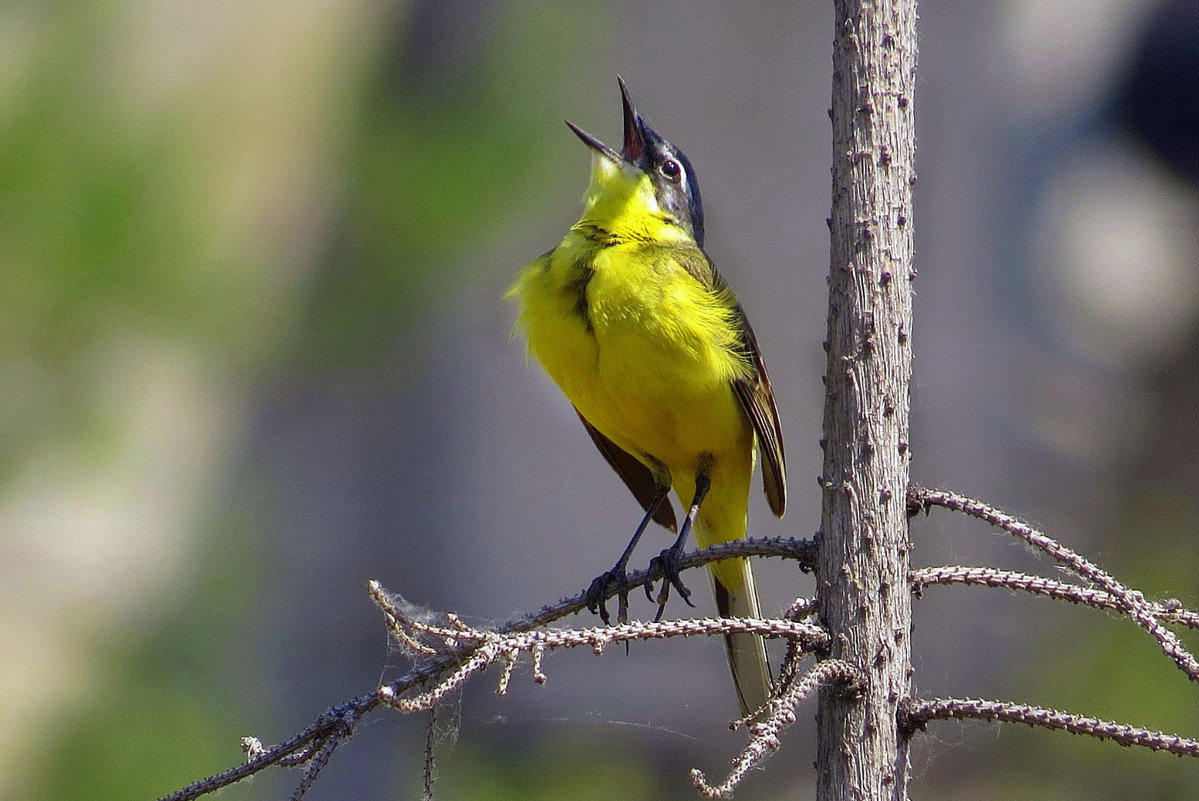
x=639, y=346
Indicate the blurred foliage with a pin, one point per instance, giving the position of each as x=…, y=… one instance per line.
x=550, y=768
x=107, y=229
x=441, y=159
x=159, y=706
x=95, y=236
x=97, y=229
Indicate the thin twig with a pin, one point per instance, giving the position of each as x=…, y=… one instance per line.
x=310, y=738
x=430, y=742
x=1168, y=611
x=315, y=766
x=778, y=715
x=916, y=712
x=1130, y=602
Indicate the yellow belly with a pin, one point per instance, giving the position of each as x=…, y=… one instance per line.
x=646, y=362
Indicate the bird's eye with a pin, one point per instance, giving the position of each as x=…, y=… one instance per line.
x=671, y=169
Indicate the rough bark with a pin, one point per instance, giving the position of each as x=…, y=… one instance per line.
x=863, y=567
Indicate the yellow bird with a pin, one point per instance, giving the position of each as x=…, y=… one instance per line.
x=631, y=319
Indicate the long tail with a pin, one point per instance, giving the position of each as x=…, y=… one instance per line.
x=723, y=516
x=736, y=596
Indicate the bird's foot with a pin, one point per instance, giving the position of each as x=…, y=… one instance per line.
x=668, y=564
x=600, y=590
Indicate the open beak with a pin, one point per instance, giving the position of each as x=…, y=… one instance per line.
x=595, y=144
x=635, y=141
x=634, y=146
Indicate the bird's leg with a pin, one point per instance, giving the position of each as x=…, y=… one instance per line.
x=668, y=561
x=617, y=577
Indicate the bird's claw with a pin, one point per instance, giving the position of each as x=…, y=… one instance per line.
x=600, y=590
x=668, y=565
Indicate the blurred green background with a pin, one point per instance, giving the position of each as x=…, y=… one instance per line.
x=253, y=354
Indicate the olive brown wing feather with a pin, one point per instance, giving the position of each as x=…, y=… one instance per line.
x=757, y=399
x=636, y=476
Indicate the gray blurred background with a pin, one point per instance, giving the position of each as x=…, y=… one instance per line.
x=253, y=353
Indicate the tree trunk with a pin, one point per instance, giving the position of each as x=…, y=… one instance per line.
x=862, y=574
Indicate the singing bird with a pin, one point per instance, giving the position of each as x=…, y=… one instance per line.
x=630, y=318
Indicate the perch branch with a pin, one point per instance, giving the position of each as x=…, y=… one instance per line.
x=916, y=712
x=478, y=649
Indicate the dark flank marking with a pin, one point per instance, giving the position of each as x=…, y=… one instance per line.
x=581, y=273
x=601, y=236
x=597, y=234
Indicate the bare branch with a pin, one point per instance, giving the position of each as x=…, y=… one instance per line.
x=339, y=722
x=779, y=715
x=1129, y=602
x=1170, y=611
x=448, y=652
x=306, y=743
x=916, y=712
x=802, y=551
x=316, y=765
x=478, y=649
